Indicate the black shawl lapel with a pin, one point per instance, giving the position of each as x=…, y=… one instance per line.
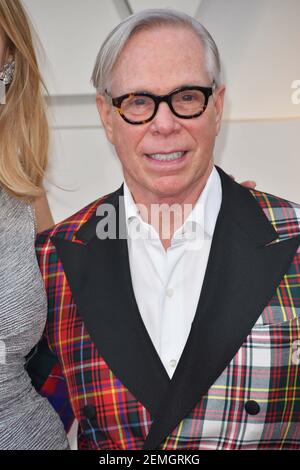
x=240, y=279
x=98, y=273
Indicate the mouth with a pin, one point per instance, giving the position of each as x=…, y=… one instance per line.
x=167, y=157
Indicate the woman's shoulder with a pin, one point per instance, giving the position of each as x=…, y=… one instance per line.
x=12, y=207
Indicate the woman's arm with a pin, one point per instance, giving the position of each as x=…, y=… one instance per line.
x=44, y=219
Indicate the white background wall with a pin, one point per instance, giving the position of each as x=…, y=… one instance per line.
x=259, y=44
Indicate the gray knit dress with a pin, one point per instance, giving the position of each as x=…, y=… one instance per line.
x=27, y=421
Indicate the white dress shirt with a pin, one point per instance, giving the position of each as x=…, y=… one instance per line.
x=167, y=283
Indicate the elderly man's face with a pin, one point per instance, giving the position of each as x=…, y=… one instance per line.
x=159, y=61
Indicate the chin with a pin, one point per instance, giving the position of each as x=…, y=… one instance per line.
x=168, y=187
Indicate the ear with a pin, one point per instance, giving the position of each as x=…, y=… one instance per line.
x=219, y=103
x=105, y=112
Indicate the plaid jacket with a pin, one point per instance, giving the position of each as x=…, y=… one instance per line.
x=237, y=384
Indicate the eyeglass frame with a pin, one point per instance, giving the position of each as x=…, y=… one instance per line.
x=117, y=102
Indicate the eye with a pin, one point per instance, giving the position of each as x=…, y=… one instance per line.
x=137, y=102
x=188, y=100
x=140, y=101
x=188, y=97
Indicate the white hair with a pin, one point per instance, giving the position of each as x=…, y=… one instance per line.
x=148, y=19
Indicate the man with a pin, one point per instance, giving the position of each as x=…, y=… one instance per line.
x=178, y=335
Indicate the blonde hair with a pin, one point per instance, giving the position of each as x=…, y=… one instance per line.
x=24, y=131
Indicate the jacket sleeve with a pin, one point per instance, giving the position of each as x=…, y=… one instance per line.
x=47, y=378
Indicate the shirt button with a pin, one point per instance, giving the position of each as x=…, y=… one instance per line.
x=169, y=292
x=89, y=411
x=173, y=363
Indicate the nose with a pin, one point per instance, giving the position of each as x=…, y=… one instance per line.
x=164, y=122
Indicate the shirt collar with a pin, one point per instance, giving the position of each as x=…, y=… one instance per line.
x=204, y=214
x=131, y=209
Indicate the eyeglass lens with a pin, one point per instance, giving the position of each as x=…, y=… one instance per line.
x=185, y=103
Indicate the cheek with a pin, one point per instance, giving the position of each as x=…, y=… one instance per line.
x=126, y=139
x=206, y=130
x=203, y=137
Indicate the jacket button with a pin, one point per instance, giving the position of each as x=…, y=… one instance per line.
x=252, y=407
x=89, y=411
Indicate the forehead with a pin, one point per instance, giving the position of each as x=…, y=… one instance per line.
x=160, y=60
